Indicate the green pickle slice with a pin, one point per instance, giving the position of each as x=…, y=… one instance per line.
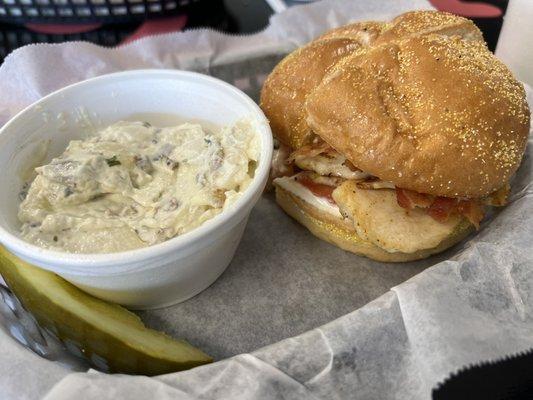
x=102, y=331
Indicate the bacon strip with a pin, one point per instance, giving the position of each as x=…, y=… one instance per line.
x=440, y=208
x=410, y=199
x=318, y=189
x=471, y=210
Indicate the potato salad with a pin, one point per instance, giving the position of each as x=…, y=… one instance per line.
x=134, y=185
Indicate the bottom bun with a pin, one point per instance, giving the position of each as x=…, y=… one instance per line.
x=336, y=231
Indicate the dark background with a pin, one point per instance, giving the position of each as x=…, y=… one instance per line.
x=234, y=16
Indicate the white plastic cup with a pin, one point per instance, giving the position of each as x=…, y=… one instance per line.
x=162, y=274
x=515, y=42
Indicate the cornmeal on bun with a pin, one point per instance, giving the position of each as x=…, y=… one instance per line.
x=395, y=137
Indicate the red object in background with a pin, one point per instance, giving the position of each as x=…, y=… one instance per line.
x=468, y=9
x=158, y=26
x=62, y=29
x=147, y=28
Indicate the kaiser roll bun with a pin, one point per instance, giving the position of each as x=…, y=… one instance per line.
x=287, y=87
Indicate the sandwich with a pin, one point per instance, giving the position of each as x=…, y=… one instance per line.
x=393, y=139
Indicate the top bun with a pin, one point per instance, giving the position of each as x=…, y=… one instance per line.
x=423, y=104
x=287, y=87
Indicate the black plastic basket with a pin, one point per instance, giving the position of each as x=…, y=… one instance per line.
x=84, y=11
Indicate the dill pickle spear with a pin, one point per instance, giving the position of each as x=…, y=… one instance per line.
x=105, y=333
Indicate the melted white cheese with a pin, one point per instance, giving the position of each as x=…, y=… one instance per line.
x=134, y=185
x=292, y=186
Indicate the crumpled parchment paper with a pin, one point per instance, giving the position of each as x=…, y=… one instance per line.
x=469, y=304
